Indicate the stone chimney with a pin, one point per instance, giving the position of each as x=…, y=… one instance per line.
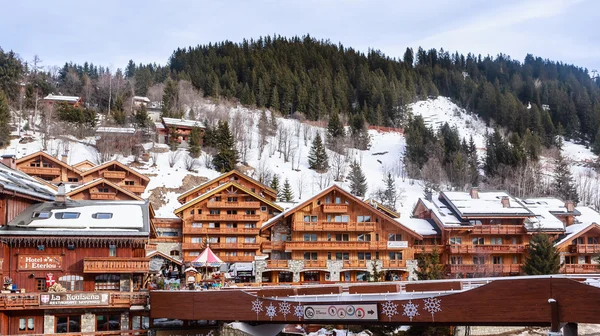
x=61, y=196
x=474, y=192
x=64, y=158
x=9, y=160
x=570, y=206
x=505, y=202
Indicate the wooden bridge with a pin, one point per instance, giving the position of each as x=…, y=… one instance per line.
x=510, y=301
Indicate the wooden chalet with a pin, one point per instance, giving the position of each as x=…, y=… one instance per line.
x=84, y=165
x=234, y=176
x=580, y=244
x=183, y=127
x=103, y=190
x=168, y=238
x=228, y=217
x=49, y=168
x=119, y=174
x=75, y=267
x=60, y=99
x=335, y=236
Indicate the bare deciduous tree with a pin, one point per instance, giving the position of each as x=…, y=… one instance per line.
x=207, y=159
x=174, y=156
x=322, y=181
x=190, y=163
x=300, y=184
x=263, y=173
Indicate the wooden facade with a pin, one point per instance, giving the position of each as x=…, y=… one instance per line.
x=102, y=190
x=579, y=251
x=119, y=174
x=48, y=168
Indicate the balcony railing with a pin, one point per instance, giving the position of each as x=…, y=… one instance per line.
x=334, y=226
x=581, y=268
x=328, y=245
x=102, y=196
x=335, y=208
x=116, y=265
x=236, y=258
x=220, y=230
x=394, y=263
x=427, y=248
x=41, y=171
x=315, y=263
x=114, y=174
x=226, y=217
x=24, y=301
x=505, y=248
x=486, y=269
x=234, y=246
x=193, y=246
x=277, y=263
x=585, y=248
x=273, y=245
x=233, y=205
x=136, y=189
x=498, y=229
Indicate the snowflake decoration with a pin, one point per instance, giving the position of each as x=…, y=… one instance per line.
x=284, y=309
x=389, y=309
x=257, y=306
x=410, y=310
x=299, y=311
x=271, y=311
x=432, y=305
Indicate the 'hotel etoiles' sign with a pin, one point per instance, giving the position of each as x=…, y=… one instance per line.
x=40, y=263
x=75, y=299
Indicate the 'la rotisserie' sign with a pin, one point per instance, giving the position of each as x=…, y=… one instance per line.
x=34, y=263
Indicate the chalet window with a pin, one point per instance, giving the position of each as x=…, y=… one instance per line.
x=73, y=179
x=363, y=219
x=310, y=237
x=496, y=241
x=107, y=282
x=218, y=199
x=192, y=212
x=199, y=211
x=478, y=241
x=231, y=254
x=248, y=199
x=174, y=253
x=395, y=255
x=231, y=225
x=394, y=237
x=129, y=183
x=515, y=259
x=215, y=212
x=514, y=240
x=342, y=237
x=249, y=253
x=102, y=190
x=194, y=254
x=362, y=276
x=250, y=212
x=312, y=219
x=196, y=225
x=231, y=240
x=68, y=324
x=478, y=260
x=571, y=260
x=592, y=240
x=34, y=164
x=66, y=215
x=232, y=212
x=253, y=190
x=455, y=240
x=250, y=225
x=40, y=284
x=232, y=199
x=338, y=200
x=497, y=260
x=108, y=322
x=327, y=200
x=364, y=237
x=456, y=260
x=213, y=240
x=250, y=240
x=578, y=241
x=342, y=256
x=102, y=215
x=310, y=255
x=26, y=324
x=342, y=219
x=196, y=240
x=140, y=322
x=364, y=255
x=213, y=225
x=72, y=283
x=42, y=214
x=263, y=208
x=495, y=221
x=475, y=222
x=112, y=250
x=169, y=233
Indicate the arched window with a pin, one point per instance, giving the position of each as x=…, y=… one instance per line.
x=72, y=283
x=174, y=253
x=107, y=282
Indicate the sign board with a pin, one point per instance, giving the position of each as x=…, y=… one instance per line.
x=356, y=312
x=75, y=299
x=188, y=332
x=397, y=244
x=38, y=263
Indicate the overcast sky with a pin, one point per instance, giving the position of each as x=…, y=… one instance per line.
x=110, y=32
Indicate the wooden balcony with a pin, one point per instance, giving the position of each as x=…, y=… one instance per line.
x=136, y=189
x=110, y=196
x=113, y=174
x=315, y=263
x=335, y=208
x=116, y=265
x=233, y=205
x=220, y=230
x=268, y=246
x=580, y=268
x=277, y=263
x=475, y=249
x=498, y=229
x=231, y=259
x=41, y=171
x=334, y=226
x=226, y=217
x=328, y=245
x=234, y=246
x=25, y=301
x=585, y=248
x=193, y=246
x=428, y=248
x=486, y=269
x=394, y=263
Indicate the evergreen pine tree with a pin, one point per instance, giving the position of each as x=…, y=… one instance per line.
x=118, y=113
x=389, y=194
x=287, y=195
x=317, y=157
x=4, y=120
x=195, y=141
x=563, y=185
x=227, y=156
x=358, y=180
x=542, y=257
x=173, y=138
x=275, y=185
x=596, y=143
x=429, y=266
x=335, y=128
x=141, y=118
x=170, y=95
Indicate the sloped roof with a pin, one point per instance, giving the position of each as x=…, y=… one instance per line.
x=182, y=122
x=95, y=182
x=379, y=206
x=162, y=255
x=72, y=99
x=488, y=203
x=223, y=187
x=115, y=162
x=84, y=162
x=588, y=219
x=424, y=227
x=15, y=181
x=232, y=172
x=49, y=157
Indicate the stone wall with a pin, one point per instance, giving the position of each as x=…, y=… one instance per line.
x=166, y=248
x=49, y=324
x=335, y=268
x=296, y=266
x=260, y=267
x=411, y=267
x=88, y=322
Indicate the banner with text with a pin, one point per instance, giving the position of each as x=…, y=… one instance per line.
x=359, y=312
x=75, y=299
x=40, y=263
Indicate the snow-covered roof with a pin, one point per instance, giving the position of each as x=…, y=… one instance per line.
x=16, y=181
x=424, y=227
x=140, y=98
x=71, y=99
x=551, y=204
x=85, y=218
x=442, y=212
x=488, y=203
x=159, y=125
x=182, y=122
x=125, y=130
x=543, y=220
x=587, y=218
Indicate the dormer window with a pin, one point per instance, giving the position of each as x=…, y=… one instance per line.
x=129, y=183
x=67, y=215
x=102, y=215
x=42, y=215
